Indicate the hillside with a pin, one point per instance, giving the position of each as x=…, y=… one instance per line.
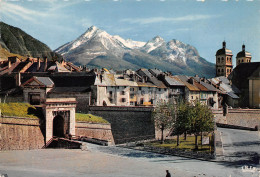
x=16, y=41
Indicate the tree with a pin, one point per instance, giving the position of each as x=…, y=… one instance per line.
x=163, y=116
x=182, y=122
x=201, y=120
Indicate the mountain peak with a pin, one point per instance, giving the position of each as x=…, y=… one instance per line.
x=158, y=39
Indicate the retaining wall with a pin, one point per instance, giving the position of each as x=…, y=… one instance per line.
x=95, y=130
x=239, y=117
x=20, y=134
x=127, y=123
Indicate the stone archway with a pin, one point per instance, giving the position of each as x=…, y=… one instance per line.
x=58, y=126
x=60, y=117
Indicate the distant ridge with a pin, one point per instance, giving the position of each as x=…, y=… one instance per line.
x=97, y=48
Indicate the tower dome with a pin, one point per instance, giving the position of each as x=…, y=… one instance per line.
x=243, y=56
x=224, y=50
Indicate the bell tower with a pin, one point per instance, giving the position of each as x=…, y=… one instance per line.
x=243, y=56
x=223, y=61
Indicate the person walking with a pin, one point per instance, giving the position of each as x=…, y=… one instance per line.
x=168, y=174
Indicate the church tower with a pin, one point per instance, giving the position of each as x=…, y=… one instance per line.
x=243, y=56
x=223, y=61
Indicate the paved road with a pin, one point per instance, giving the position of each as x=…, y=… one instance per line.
x=241, y=147
x=100, y=161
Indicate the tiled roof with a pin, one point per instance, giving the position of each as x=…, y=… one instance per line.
x=171, y=81
x=184, y=80
x=45, y=81
x=153, y=79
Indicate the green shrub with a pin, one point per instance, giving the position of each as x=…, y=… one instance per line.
x=18, y=110
x=90, y=118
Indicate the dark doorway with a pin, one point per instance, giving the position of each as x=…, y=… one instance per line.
x=58, y=126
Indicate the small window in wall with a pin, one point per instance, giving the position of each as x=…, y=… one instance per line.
x=132, y=89
x=34, y=98
x=159, y=89
x=124, y=86
x=222, y=59
x=131, y=103
x=165, y=89
x=141, y=101
x=222, y=70
x=192, y=97
x=242, y=60
x=117, y=87
x=123, y=100
x=123, y=93
x=218, y=70
x=132, y=96
x=110, y=93
x=219, y=60
x=140, y=88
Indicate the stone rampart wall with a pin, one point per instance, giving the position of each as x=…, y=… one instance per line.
x=20, y=134
x=127, y=123
x=95, y=130
x=239, y=117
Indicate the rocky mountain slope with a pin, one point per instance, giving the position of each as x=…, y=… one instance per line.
x=14, y=40
x=97, y=48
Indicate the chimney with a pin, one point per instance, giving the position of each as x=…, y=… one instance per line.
x=45, y=63
x=18, y=79
x=9, y=64
x=38, y=63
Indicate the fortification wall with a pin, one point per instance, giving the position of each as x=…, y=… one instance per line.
x=239, y=117
x=95, y=130
x=127, y=123
x=20, y=134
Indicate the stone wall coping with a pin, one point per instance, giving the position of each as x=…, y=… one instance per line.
x=19, y=121
x=120, y=108
x=60, y=100
x=83, y=122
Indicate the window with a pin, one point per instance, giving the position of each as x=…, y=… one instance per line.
x=219, y=60
x=141, y=101
x=110, y=93
x=34, y=98
x=222, y=70
x=230, y=59
x=165, y=89
x=132, y=96
x=123, y=100
x=123, y=93
x=140, y=88
x=131, y=103
x=242, y=60
x=118, y=87
x=125, y=87
x=159, y=89
x=132, y=89
x=192, y=97
x=218, y=70
x=222, y=59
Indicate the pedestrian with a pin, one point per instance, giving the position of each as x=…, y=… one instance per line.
x=168, y=174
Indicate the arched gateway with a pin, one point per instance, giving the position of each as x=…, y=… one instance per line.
x=60, y=117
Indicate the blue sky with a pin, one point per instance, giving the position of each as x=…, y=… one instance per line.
x=201, y=23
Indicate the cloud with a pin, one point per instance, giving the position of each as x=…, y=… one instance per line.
x=167, y=19
x=18, y=12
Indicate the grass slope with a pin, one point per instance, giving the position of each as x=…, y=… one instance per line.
x=90, y=118
x=19, y=110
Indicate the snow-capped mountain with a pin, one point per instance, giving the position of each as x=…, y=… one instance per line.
x=98, y=48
